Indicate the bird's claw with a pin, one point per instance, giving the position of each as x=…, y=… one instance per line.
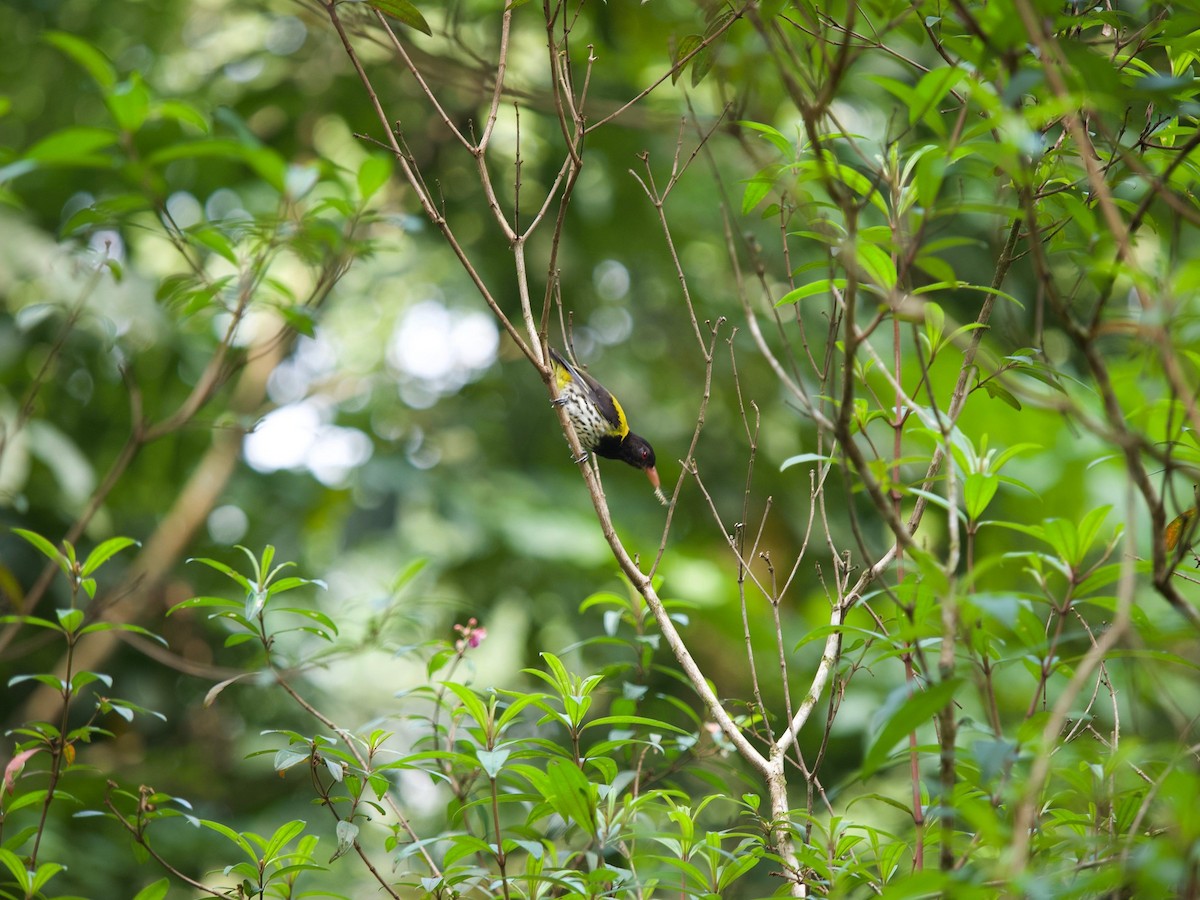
x=559, y=401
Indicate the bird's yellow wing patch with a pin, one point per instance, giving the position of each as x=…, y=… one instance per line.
x=562, y=375
x=622, y=425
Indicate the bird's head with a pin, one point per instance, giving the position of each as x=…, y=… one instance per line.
x=636, y=451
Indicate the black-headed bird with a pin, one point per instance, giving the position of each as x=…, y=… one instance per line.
x=600, y=422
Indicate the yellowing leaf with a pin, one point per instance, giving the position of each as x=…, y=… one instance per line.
x=1173, y=532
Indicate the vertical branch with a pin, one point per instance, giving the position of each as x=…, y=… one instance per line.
x=415, y=181
x=948, y=726
x=569, y=115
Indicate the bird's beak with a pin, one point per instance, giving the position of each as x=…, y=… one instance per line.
x=652, y=474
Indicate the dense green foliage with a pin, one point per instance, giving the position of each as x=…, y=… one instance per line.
x=905, y=296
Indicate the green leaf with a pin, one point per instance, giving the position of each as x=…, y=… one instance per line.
x=860, y=184
x=1101, y=577
x=687, y=45
x=1016, y=449
x=315, y=615
x=122, y=711
x=33, y=798
x=286, y=758
x=1039, y=371
x=736, y=868
x=994, y=757
x=291, y=583
x=757, y=188
x=492, y=761
x=155, y=891
x=782, y=144
x=935, y=324
x=801, y=458
x=1089, y=529
x=931, y=172
x=129, y=103
x=996, y=392
x=214, y=239
x=47, y=549
x=284, y=835
x=935, y=267
x=571, y=794
x=404, y=12
x=267, y=163
x=232, y=836
x=967, y=286
x=72, y=145
x=123, y=626
x=896, y=720
x=823, y=286
x=205, y=602
x=702, y=63
x=300, y=318
x=108, y=211
x=922, y=884
x=15, y=170
x=44, y=873
x=29, y=620
x=408, y=574
x=558, y=675
x=514, y=709
x=82, y=679
x=1063, y=536
x=978, y=490
x=106, y=551
x=126, y=709
x=372, y=175
x=633, y=720
x=69, y=619
x=180, y=111
x=225, y=570
x=465, y=845
x=470, y=700
x=876, y=264
x=94, y=62
x=898, y=89
x=347, y=834
x=823, y=631
x=929, y=92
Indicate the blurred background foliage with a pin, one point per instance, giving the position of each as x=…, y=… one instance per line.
x=400, y=424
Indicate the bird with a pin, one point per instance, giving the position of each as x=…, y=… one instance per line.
x=599, y=420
